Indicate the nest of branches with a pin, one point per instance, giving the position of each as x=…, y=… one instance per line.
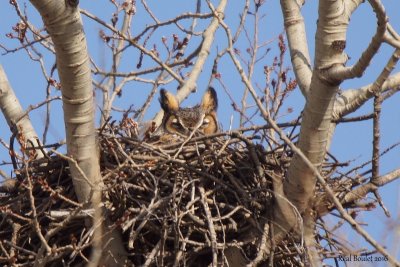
x=174, y=203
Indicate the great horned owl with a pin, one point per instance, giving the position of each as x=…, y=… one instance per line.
x=182, y=121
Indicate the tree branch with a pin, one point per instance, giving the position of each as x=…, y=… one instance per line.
x=208, y=37
x=361, y=191
x=16, y=118
x=339, y=72
x=297, y=38
x=353, y=99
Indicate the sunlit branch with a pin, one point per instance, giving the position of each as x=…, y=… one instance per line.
x=117, y=54
x=189, y=85
x=341, y=73
x=173, y=21
x=16, y=118
x=135, y=44
x=297, y=38
x=351, y=100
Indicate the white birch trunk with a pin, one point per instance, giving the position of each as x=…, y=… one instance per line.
x=18, y=122
x=316, y=121
x=63, y=22
x=65, y=28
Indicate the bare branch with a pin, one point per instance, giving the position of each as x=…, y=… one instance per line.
x=135, y=44
x=351, y=100
x=17, y=119
x=208, y=37
x=361, y=191
x=117, y=54
x=376, y=135
x=296, y=33
x=339, y=72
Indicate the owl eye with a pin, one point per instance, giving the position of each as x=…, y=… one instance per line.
x=176, y=123
x=206, y=121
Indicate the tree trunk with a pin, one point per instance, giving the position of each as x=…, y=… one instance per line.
x=63, y=22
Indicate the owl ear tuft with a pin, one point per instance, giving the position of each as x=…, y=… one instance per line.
x=168, y=101
x=210, y=101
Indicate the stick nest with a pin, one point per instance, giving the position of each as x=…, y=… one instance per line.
x=174, y=202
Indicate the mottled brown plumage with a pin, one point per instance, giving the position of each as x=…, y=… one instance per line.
x=179, y=121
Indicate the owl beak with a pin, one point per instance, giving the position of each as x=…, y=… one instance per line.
x=197, y=126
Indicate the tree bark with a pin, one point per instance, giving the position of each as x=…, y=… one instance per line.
x=16, y=118
x=297, y=39
x=65, y=28
x=317, y=115
x=63, y=22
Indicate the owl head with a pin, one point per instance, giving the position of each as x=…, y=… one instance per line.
x=183, y=121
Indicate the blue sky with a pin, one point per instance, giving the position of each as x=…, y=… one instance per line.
x=351, y=141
